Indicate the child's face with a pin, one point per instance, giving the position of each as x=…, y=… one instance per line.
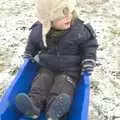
x=63, y=23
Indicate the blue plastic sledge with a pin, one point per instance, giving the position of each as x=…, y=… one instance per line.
x=22, y=83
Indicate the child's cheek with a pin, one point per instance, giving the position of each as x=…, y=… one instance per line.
x=59, y=24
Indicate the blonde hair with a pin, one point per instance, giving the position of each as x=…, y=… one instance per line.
x=49, y=10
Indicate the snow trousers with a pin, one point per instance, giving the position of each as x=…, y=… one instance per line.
x=47, y=85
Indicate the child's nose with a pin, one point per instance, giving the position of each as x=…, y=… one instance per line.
x=68, y=17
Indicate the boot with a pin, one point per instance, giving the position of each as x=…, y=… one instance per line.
x=26, y=106
x=59, y=107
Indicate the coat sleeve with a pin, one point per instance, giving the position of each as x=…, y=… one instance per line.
x=34, y=43
x=90, y=44
x=88, y=48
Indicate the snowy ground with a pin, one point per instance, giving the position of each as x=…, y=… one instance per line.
x=16, y=18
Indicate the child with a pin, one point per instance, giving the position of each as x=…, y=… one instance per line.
x=68, y=49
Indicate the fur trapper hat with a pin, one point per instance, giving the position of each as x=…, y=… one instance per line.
x=49, y=10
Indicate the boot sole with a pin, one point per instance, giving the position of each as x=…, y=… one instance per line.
x=26, y=106
x=59, y=106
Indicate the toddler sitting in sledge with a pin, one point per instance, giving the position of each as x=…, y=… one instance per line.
x=64, y=47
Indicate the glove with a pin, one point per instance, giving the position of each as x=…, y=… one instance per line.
x=88, y=66
x=37, y=58
x=28, y=56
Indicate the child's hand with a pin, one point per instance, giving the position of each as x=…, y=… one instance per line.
x=36, y=58
x=26, y=56
x=87, y=66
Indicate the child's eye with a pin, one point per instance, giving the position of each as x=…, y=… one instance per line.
x=66, y=11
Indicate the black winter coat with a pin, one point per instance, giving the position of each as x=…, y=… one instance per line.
x=75, y=45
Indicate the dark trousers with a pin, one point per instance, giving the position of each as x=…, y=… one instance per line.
x=47, y=85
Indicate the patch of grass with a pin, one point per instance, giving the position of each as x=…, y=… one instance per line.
x=5, y=57
x=115, y=31
x=1, y=67
x=14, y=70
